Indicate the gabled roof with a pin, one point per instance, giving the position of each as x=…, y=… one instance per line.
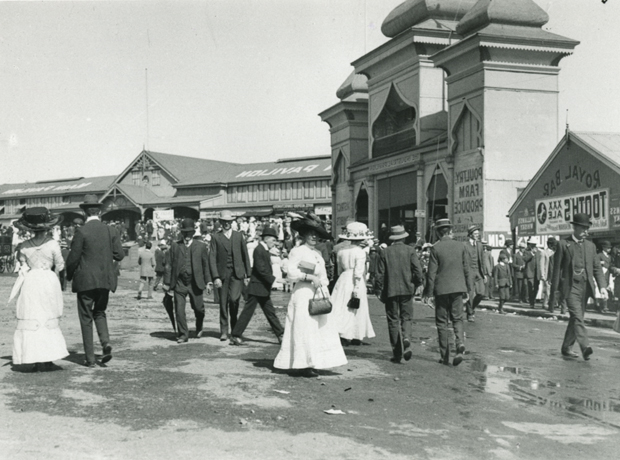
x=603, y=146
x=81, y=185
x=190, y=169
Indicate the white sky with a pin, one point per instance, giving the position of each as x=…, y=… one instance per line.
x=233, y=80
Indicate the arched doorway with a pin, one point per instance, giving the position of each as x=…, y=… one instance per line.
x=361, y=206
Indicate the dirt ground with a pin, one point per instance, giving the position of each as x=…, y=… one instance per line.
x=158, y=399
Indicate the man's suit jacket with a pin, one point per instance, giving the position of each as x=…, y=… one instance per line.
x=529, y=258
x=398, y=271
x=543, y=256
x=448, y=268
x=519, y=264
x=262, y=274
x=146, y=260
x=175, y=263
x=94, y=248
x=160, y=260
x=221, y=247
x=563, y=267
x=489, y=263
x=475, y=255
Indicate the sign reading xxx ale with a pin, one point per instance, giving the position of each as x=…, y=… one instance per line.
x=553, y=215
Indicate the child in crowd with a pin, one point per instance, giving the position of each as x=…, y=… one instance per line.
x=502, y=281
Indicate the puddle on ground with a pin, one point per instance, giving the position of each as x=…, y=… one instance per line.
x=517, y=384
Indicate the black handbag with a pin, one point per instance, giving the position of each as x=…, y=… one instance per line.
x=354, y=303
x=320, y=306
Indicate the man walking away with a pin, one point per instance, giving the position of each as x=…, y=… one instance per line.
x=398, y=275
x=449, y=281
x=90, y=264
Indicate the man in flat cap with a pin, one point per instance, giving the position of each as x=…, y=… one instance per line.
x=576, y=274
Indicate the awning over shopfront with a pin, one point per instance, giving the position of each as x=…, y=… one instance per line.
x=582, y=175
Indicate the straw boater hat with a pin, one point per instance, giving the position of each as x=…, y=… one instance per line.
x=356, y=231
x=38, y=218
x=398, y=233
x=309, y=221
x=443, y=223
x=581, y=219
x=90, y=201
x=472, y=229
x=226, y=215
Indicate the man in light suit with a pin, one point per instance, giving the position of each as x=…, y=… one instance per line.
x=449, y=281
x=399, y=273
x=259, y=290
x=187, y=273
x=575, y=272
x=90, y=264
x=543, y=256
x=476, y=271
x=230, y=268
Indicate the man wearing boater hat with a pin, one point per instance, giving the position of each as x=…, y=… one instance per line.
x=399, y=273
x=90, y=264
x=477, y=271
x=187, y=274
x=230, y=268
x=449, y=281
x=576, y=269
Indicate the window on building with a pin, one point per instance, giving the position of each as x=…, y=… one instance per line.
x=229, y=195
x=264, y=192
x=393, y=130
x=135, y=177
x=253, y=193
x=309, y=190
x=287, y=188
x=242, y=194
x=155, y=178
x=274, y=192
x=22, y=201
x=298, y=191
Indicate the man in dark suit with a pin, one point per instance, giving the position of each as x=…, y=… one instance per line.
x=90, y=264
x=449, y=281
x=399, y=273
x=489, y=263
x=230, y=268
x=476, y=271
x=508, y=251
x=575, y=272
x=529, y=257
x=160, y=262
x=519, y=267
x=187, y=274
x=259, y=290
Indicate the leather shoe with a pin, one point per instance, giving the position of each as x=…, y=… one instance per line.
x=471, y=319
x=570, y=354
x=408, y=354
x=107, y=353
x=458, y=359
x=181, y=340
x=236, y=341
x=406, y=343
x=199, y=334
x=223, y=337
x=587, y=352
x=88, y=364
x=395, y=360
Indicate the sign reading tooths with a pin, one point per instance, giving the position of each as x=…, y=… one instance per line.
x=553, y=215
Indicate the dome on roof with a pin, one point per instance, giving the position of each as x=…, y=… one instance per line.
x=355, y=83
x=511, y=12
x=412, y=12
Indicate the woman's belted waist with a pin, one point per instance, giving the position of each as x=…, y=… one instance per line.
x=35, y=324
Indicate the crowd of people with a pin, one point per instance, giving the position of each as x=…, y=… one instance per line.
x=329, y=283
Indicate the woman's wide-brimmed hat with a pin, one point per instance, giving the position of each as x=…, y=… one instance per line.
x=398, y=233
x=581, y=219
x=356, y=231
x=308, y=221
x=187, y=225
x=91, y=201
x=38, y=218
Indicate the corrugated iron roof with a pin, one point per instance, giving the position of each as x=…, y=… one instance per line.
x=63, y=187
x=607, y=144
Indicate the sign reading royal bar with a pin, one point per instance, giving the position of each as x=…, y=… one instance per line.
x=553, y=215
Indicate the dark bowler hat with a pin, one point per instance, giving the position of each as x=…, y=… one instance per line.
x=90, y=201
x=187, y=225
x=605, y=244
x=581, y=219
x=38, y=218
x=269, y=231
x=398, y=232
x=472, y=229
x=551, y=241
x=508, y=242
x=443, y=223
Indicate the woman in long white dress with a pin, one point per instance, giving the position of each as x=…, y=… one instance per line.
x=38, y=339
x=352, y=324
x=309, y=342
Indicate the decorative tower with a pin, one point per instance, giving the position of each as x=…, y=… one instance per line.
x=503, y=106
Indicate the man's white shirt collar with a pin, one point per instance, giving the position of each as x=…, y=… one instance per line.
x=263, y=244
x=88, y=219
x=228, y=233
